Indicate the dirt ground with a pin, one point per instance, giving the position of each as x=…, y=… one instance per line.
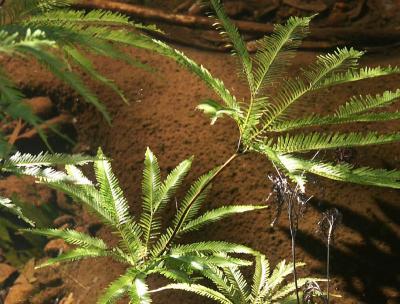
x=161, y=115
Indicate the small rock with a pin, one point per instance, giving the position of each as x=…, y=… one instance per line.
x=7, y=272
x=55, y=247
x=66, y=221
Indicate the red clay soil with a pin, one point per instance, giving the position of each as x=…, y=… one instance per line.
x=162, y=116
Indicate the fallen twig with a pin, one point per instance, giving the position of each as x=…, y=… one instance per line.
x=327, y=35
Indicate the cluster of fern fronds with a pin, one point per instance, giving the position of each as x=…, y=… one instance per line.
x=267, y=122
x=59, y=38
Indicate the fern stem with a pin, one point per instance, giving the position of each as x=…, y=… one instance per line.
x=328, y=275
x=293, y=231
x=181, y=220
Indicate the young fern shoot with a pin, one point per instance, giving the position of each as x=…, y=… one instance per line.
x=143, y=246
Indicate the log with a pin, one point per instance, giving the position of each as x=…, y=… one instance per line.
x=348, y=35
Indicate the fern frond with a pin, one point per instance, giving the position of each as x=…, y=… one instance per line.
x=110, y=190
x=71, y=237
x=293, y=89
x=315, y=120
x=278, y=275
x=171, y=183
x=240, y=49
x=117, y=289
x=140, y=41
x=321, y=141
x=60, y=69
x=275, y=51
x=216, y=215
x=197, y=289
x=150, y=185
x=361, y=104
x=241, y=290
x=46, y=159
x=86, y=65
x=193, y=200
x=14, y=209
x=342, y=172
x=261, y=274
x=140, y=292
x=356, y=75
x=210, y=247
x=75, y=255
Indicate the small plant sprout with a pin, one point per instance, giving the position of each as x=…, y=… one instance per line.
x=311, y=290
x=327, y=226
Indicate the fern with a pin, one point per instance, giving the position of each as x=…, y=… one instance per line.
x=233, y=288
x=274, y=97
x=143, y=246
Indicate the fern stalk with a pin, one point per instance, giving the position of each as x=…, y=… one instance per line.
x=186, y=211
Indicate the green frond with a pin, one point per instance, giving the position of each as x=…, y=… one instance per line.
x=261, y=274
x=276, y=51
x=315, y=120
x=111, y=191
x=86, y=65
x=278, y=276
x=294, y=88
x=140, y=41
x=240, y=289
x=150, y=184
x=60, y=69
x=75, y=255
x=197, y=289
x=175, y=275
x=191, y=204
x=239, y=46
x=139, y=293
x=71, y=237
x=329, y=64
x=216, y=215
x=210, y=247
x=117, y=289
x=356, y=75
x=361, y=104
x=171, y=183
x=321, y=141
x=201, y=262
x=14, y=209
x=342, y=172
x=46, y=159
x=254, y=113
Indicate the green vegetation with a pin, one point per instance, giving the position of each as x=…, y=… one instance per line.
x=143, y=247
